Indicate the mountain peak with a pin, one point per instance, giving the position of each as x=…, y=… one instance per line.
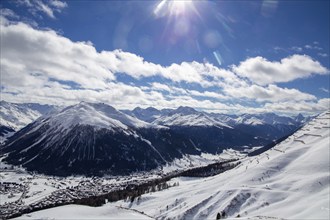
x=97, y=115
x=185, y=110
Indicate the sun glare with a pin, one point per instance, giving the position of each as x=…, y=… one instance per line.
x=179, y=7
x=173, y=7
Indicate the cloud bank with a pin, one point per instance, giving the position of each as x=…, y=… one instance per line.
x=43, y=66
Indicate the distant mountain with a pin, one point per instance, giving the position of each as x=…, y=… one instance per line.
x=16, y=115
x=92, y=139
x=267, y=125
x=95, y=138
x=218, y=131
x=207, y=133
x=148, y=114
x=188, y=117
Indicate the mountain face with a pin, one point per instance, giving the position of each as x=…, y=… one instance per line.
x=96, y=138
x=268, y=126
x=218, y=131
x=93, y=139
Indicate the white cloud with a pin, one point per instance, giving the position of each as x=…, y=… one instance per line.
x=5, y=12
x=130, y=64
x=313, y=47
x=47, y=7
x=179, y=91
x=297, y=49
x=271, y=93
x=25, y=51
x=58, y=4
x=324, y=90
x=323, y=54
x=261, y=71
x=43, y=66
x=302, y=106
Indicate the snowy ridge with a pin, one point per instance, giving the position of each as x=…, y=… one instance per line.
x=148, y=114
x=97, y=115
x=269, y=119
x=16, y=116
x=185, y=116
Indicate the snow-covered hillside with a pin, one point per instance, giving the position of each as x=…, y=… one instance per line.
x=289, y=181
x=16, y=116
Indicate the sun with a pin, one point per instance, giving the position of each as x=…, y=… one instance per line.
x=180, y=7
x=173, y=8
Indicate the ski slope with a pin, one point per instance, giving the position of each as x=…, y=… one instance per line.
x=289, y=181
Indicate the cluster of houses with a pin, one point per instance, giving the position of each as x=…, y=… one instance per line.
x=85, y=188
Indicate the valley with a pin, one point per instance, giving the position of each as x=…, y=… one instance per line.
x=164, y=109
x=289, y=181
x=24, y=192
x=211, y=165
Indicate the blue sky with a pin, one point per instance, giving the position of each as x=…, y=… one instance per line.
x=221, y=56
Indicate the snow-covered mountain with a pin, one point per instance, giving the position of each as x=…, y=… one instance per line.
x=267, y=125
x=96, y=115
x=186, y=116
x=17, y=116
x=289, y=181
x=269, y=119
x=148, y=114
x=210, y=129
x=94, y=138
x=205, y=132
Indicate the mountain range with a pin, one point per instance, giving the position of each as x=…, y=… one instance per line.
x=95, y=138
x=288, y=181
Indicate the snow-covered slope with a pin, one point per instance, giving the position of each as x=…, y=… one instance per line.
x=290, y=181
x=84, y=212
x=16, y=116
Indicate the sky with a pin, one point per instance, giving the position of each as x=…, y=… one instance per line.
x=217, y=56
